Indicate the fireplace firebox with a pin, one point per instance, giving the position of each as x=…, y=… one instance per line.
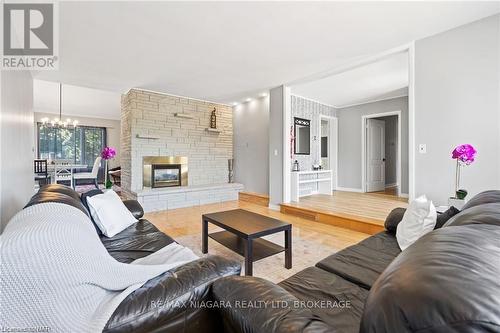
x=165, y=175
x=164, y=171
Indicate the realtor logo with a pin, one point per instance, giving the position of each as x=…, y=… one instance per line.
x=29, y=36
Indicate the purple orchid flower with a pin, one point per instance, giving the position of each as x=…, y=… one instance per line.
x=108, y=153
x=464, y=153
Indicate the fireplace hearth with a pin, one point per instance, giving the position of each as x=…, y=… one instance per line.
x=165, y=171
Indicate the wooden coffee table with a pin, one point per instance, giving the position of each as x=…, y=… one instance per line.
x=243, y=230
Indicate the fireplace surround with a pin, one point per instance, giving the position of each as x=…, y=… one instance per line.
x=164, y=171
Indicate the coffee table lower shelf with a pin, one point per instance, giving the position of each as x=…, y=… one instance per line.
x=261, y=248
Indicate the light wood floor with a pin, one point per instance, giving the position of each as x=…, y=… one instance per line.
x=366, y=207
x=389, y=191
x=187, y=221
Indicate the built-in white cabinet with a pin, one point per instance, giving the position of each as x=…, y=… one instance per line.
x=310, y=182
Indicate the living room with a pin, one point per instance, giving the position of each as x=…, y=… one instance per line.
x=209, y=175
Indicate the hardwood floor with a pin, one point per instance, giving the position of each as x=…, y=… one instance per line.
x=187, y=221
x=364, y=212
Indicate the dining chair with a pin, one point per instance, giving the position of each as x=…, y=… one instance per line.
x=89, y=175
x=63, y=171
x=41, y=172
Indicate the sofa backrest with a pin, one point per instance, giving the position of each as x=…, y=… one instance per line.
x=60, y=194
x=446, y=281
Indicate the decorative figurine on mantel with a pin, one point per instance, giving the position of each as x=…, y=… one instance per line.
x=213, y=120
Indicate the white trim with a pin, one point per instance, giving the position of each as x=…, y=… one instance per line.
x=349, y=189
x=363, y=146
x=411, y=121
x=391, y=185
x=410, y=48
x=313, y=100
x=403, y=195
x=180, y=96
x=274, y=207
x=333, y=122
x=287, y=161
x=372, y=101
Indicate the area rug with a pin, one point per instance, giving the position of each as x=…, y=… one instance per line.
x=305, y=253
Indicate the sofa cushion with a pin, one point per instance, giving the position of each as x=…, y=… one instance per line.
x=137, y=241
x=335, y=300
x=482, y=198
x=483, y=214
x=364, y=262
x=448, y=281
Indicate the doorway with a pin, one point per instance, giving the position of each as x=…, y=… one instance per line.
x=328, y=145
x=381, y=153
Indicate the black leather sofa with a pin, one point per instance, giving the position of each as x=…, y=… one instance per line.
x=447, y=281
x=171, y=302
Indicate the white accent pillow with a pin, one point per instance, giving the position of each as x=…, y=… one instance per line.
x=109, y=213
x=419, y=219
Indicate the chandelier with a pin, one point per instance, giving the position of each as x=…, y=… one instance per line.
x=58, y=122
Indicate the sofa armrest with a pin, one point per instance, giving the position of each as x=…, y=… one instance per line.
x=171, y=300
x=134, y=207
x=392, y=220
x=253, y=305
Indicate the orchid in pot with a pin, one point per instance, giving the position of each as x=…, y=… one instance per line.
x=465, y=155
x=106, y=154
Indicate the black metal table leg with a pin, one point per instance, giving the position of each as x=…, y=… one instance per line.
x=248, y=257
x=288, y=248
x=204, y=236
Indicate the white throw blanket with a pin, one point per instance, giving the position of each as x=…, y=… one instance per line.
x=56, y=273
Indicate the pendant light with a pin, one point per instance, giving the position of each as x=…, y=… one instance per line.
x=59, y=122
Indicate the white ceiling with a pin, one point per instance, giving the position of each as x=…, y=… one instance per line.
x=76, y=101
x=387, y=78
x=227, y=51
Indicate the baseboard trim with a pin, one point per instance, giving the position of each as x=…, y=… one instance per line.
x=391, y=185
x=274, y=207
x=404, y=195
x=348, y=189
x=255, y=198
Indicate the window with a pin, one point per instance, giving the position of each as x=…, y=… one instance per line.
x=81, y=145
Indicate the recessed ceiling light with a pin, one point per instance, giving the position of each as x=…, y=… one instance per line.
x=234, y=103
x=248, y=100
x=263, y=94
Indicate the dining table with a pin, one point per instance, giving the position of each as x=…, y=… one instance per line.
x=64, y=171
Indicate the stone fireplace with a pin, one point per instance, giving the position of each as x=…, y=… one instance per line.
x=164, y=171
x=162, y=135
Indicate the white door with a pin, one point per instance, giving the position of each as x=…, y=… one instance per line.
x=375, y=153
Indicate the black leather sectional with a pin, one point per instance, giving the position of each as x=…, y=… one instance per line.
x=171, y=302
x=447, y=281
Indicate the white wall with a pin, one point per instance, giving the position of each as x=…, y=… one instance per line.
x=251, y=145
x=113, y=130
x=16, y=133
x=276, y=119
x=457, y=101
x=350, y=140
